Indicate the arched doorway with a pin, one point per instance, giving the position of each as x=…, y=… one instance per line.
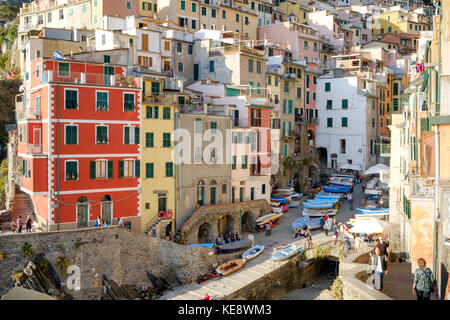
x=83, y=212
x=201, y=193
x=225, y=224
x=205, y=233
x=247, y=222
x=107, y=209
x=311, y=136
x=323, y=157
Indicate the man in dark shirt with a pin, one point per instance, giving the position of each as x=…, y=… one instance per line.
x=384, y=248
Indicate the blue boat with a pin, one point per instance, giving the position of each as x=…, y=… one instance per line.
x=371, y=211
x=320, y=201
x=207, y=245
x=300, y=222
x=287, y=252
x=279, y=199
x=324, y=205
x=337, y=184
x=322, y=196
x=336, y=189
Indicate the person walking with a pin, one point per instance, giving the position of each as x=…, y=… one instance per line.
x=19, y=224
x=309, y=238
x=350, y=200
x=28, y=224
x=335, y=236
x=423, y=284
x=268, y=228
x=380, y=268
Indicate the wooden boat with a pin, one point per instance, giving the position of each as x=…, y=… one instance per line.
x=286, y=252
x=279, y=199
x=233, y=246
x=268, y=217
x=230, y=267
x=333, y=201
x=317, y=213
x=252, y=252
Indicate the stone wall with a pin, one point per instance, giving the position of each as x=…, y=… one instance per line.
x=210, y=215
x=290, y=276
x=114, y=251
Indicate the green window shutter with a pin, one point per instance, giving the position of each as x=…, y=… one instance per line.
x=110, y=169
x=329, y=122
x=307, y=97
x=148, y=112
x=166, y=113
x=128, y=102
x=344, y=122
x=327, y=86
x=290, y=106
x=424, y=124
x=344, y=104
x=169, y=169
x=166, y=139
x=92, y=170
x=121, y=168
x=149, y=139
x=24, y=167
x=244, y=162
x=149, y=170
x=127, y=135
x=156, y=112
x=136, y=135
x=71, y=134
x=290, y=129
x=137, y=168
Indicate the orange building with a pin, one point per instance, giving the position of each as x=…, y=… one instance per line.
x=78, y=127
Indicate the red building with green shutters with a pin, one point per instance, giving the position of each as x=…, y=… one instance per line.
x=78, y=127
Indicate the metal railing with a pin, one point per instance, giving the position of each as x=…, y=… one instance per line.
x=422, y=187
x=90, y=78
x=34, y=148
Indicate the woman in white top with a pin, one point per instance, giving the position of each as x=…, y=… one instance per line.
x=379, y=267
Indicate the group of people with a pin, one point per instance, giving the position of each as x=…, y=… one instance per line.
x=227, y=238
x=100, y=222
x=306, y=233
x=17, y=226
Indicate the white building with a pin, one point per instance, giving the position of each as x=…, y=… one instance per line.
x=347, y=112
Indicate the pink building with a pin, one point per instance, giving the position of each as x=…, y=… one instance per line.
x=330, y=30
x=301, y=39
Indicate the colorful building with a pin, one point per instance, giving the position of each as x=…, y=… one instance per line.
x=78, y=125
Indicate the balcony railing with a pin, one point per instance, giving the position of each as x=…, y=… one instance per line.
x=422, y=187
x=90, y=78
x=34, y=148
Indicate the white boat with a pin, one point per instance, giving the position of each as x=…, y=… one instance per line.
x=286, y=253
x=275, y=203
x=317, y=213
x=284, y=190
x=277, y=210
x=265, y=217
x=252, y=252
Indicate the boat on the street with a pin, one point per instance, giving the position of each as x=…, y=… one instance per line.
x=319, y=213
x=261, y=222
x=286, y=252
x=324, y=205
x=233, y=246
x=253, y=252
x=230, y=266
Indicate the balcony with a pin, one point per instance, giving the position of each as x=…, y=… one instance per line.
x=91, y=78
x=34, y=148
x=385, y=150
x=422, y=187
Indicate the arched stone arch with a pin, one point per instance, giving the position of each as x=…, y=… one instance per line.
x=205, y=233
x=248, y=222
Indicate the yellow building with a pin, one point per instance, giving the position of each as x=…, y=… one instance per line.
x=400, y=22
x=298, y=9
x=158, y=176
x=148, y=8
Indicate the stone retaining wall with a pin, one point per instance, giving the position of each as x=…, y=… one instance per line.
x=117, y=252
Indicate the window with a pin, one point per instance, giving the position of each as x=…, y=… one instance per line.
x=37, y=71
x=129, y=168
x=343, y=145
x=106, y=59
x=244, y=162
x=286, y=86
x=63, y=69
x=198, y=126
x=166, y=140
x=101, y=169
x=194, y=7
x=194, y=24
x=213, y=13
x=61, y=14
x=180, y=67
x=344, y=122
x=329, y=104
x=179, y=47
x=299, y=92
x=269, y=80
x=71, y=100
x=250, y=65
x=71, y=135
x=305, y=44
x=211, y=66
x=49, y=17
x=307, y=97
x=203, y=11
x=37, y=105
x=329, y=122
x=167, y=45
x=149, y=140
x=315, y=46
x=71, y=12
x=246, y=21
x=233, y=166
x=198, y=155
x=166, y=112
x=102, y=100
x=258, y=66
x=344, y=103
x=71, y=170
x=237, y=17
x=130, y=135
x=169, y=169
x=129, y=5
x=327, y=86
x=101, y=135
x=307, y=80
x=299, y=73
x=276, y=81
x=156, y=88
x=128, y=102
x=224, y=188
x=190, y=49
x=149, y=170
x=213, y=127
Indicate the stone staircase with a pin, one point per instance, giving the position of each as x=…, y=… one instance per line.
x=151, y=226
x=23, y=207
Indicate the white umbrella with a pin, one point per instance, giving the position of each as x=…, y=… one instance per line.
x=372, y=225
x=376, y=169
